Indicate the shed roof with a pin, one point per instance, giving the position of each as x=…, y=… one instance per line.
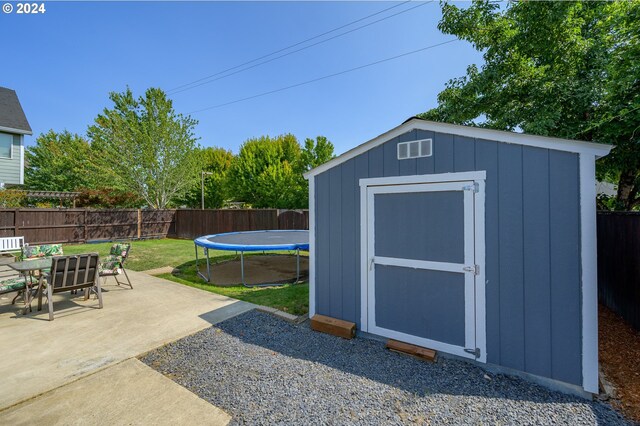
x=12, y=118
x=596, y=149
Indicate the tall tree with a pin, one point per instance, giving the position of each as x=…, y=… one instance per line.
x=144, y=144
x=315, y=152
x=217, y=161
x=263, y=173
x=564, y=69
x=59, y=162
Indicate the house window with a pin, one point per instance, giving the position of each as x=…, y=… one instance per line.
x=6, y=145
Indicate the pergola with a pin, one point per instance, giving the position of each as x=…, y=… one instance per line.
x=53, y=195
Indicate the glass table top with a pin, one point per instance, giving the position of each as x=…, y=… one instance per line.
x=31, y=265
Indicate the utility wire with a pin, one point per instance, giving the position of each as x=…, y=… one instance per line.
x=201, y=81
x=288, y=47
x=324, y=77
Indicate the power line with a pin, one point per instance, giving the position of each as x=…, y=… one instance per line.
x=201, y=81
x=323, y=77
x=288, y=47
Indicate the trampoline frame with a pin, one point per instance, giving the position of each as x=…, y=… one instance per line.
x=242, y=248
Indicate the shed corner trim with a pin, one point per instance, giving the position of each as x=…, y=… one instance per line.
x=589, y=275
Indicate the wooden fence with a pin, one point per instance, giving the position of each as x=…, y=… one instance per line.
x=42, y=226
x=619, y=264
x=195, y=223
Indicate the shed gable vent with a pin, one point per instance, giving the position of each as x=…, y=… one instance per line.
x=414, y=149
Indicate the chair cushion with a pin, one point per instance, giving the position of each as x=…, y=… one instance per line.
x=120, y=249
x=16, y=283
x=44, y=250
x=110, y=265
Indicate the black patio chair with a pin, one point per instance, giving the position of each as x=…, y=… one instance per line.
x=73, y=273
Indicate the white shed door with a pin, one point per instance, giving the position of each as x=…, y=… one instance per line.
x=421, y=265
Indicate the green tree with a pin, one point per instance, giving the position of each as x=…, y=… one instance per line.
x=216, y=161
x=315, y=152
x=107, y=198
x=563, y=69
x=264, y=173
x=268, y=172
x=143, y=144
x=278, y=186
x=11, y=198
x=59, y=162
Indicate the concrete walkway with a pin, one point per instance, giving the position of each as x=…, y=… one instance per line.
x=129, y=393
x=39, y=356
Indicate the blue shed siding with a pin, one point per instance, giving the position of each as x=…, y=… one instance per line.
x=511, y=256
x=566, y=306
x=536, y=268
x=532, y=226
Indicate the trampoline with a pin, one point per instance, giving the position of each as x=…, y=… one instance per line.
x=252, y=241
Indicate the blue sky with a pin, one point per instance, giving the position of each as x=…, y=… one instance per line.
x=64, y=63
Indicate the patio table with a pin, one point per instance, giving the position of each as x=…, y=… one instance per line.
x=28, y=268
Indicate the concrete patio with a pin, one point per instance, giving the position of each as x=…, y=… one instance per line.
x=41, y=357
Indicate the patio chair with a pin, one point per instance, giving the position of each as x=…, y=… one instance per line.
x=113, y=264
x=17, y=284
x=73, y=273
x=29, y=252
x=44, y=250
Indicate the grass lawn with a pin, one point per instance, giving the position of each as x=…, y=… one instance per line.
x=146, y=254
x=151, y=254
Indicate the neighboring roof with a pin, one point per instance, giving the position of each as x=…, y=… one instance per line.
x=597, y=149
x=12, y=118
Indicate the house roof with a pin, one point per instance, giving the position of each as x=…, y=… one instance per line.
x=12, y=118
x=596, y=149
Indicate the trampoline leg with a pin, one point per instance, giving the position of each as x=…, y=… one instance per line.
x=197, y=268
x=206, y=251
x=297, y=265
x=242, y=267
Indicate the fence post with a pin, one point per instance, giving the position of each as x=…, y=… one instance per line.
x=15, y=223
x=139, y=223
x=85, y=223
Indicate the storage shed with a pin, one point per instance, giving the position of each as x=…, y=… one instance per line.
x=470, y=241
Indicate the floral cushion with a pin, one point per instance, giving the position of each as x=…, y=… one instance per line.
x=120, y=249
x=16, y=283
x=110, y=265
x=44, y=250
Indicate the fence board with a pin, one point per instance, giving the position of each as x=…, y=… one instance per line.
x=41, y=226
x=619, y=264
x=192, y=223
x=293, y=219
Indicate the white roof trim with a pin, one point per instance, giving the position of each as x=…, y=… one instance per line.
x=15, y=131
x=597, y=149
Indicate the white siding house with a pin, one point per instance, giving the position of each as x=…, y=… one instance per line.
x=13, y=127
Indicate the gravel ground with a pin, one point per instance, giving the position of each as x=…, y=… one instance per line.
x=262, y=370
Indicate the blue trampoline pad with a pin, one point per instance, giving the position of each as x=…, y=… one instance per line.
x=256, y=240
